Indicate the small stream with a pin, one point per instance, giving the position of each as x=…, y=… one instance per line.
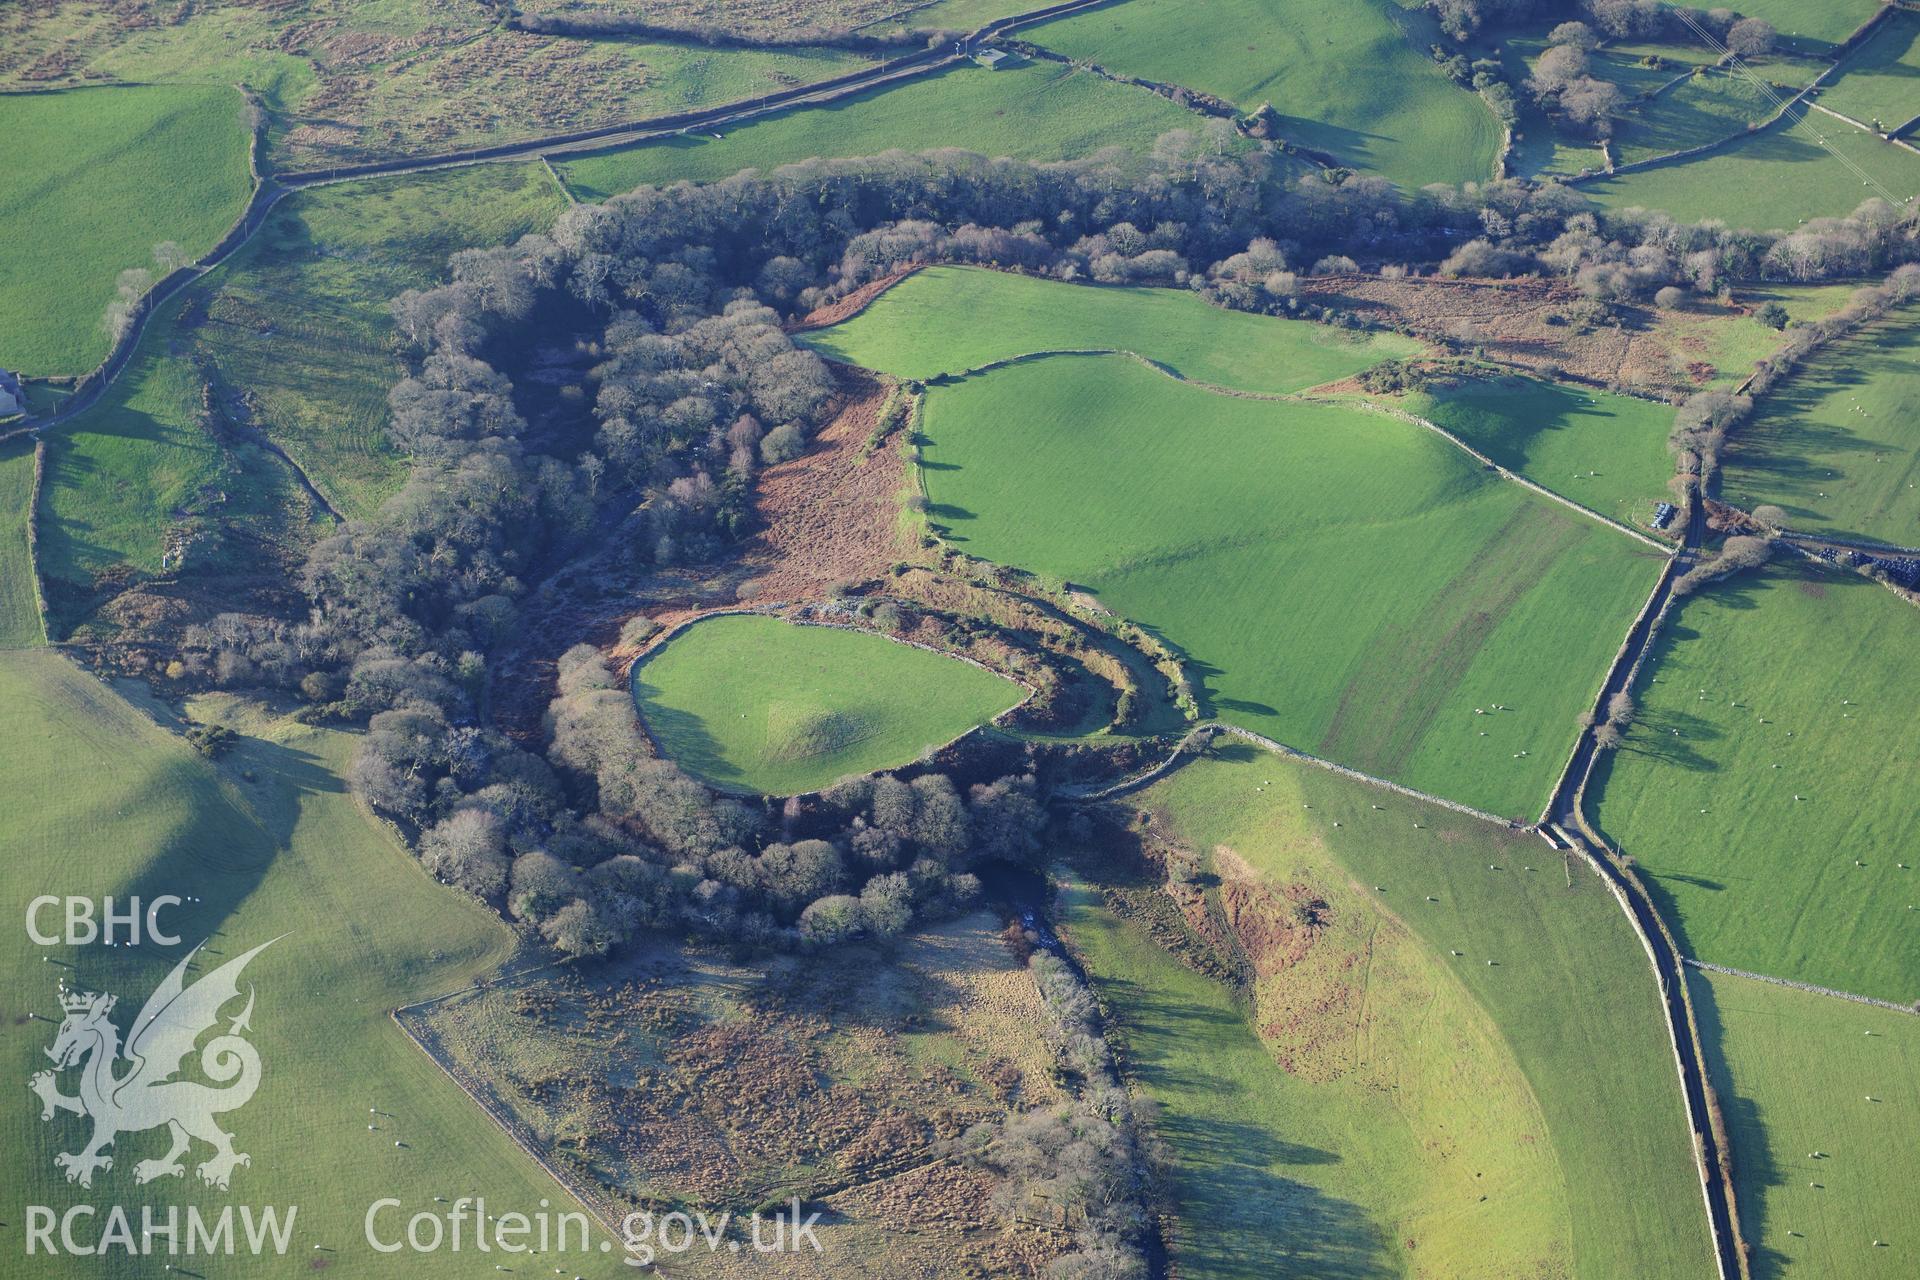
x=1025, y=895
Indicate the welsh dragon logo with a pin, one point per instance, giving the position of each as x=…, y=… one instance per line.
x=133, y=1089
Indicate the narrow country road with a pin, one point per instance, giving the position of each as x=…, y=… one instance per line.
x=1566, y=818
x=270, y=190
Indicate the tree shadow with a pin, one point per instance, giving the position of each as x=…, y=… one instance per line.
x=949, y=511
x=1748, y=1135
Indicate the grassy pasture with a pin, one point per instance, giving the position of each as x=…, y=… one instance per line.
x=1750, y=876
x=396, y=77
x=1556, y=435
x=299, y=317
x=1708, y=106
x=20, y=623
x=99, y=177
x=1353, y=79
x=1794, y=1071
x=947, y=320
x=1730, y=342
x=284, y=851
x=1237, y=529
x=1782, y=174
x=1519, y=1118
x=754, y=703
x=1811, y=25
x=1838, y=444
x=297, y=321
x=1881, y=79
x=1032, y=111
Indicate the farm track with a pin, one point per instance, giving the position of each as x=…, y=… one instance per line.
x=1566, y=818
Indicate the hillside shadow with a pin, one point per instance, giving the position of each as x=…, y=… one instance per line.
x=214, y=859
x=681, y=734
x=1241, y=1214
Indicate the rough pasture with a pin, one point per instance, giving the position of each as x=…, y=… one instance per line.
x=1035, y=111
x=1377, y=1103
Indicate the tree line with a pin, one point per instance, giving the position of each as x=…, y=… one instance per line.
x=628, y=373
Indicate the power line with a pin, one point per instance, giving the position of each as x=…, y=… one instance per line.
x=1783, y=105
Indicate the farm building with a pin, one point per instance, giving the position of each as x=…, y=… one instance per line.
x=991, y=59
x=13, y=398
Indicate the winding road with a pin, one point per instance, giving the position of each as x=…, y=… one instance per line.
x=269, y=190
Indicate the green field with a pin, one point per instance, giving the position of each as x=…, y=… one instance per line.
x=1820, y=664
x=299, y=317
x=298, y=322
x=754, y=703
x=1837, y=445
x=1440, y=1115
x=1794, y=1071
x=1561, y=436
x=1783, y=174
x=1350, y=77
x=1881, y=79
x=1729, y=343
x=98, y=178
x=271, y=846
x=1240, y=531
x=1826, y=23
x=952, y=319
x=20, y=624
x=1033, y=111
x=1707, y=107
